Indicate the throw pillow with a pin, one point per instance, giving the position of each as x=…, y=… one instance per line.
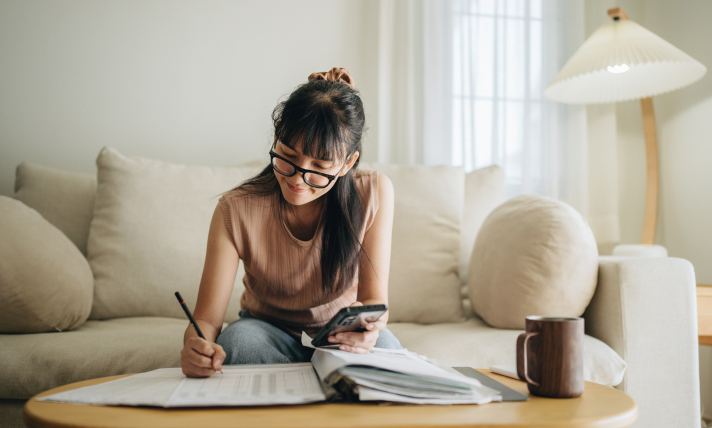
x=45, y=282
x=424, y=285
x=533, y=256
x=149, y=234
x=65, y=199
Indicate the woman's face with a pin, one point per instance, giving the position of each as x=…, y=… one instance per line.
x=294, y=189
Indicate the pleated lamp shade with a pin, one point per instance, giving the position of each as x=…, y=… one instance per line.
x=623, y=61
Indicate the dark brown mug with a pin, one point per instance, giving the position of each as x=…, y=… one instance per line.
x=550, y=356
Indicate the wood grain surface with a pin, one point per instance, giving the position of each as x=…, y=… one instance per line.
x=650, y=222
x=599, y=406
x=704, y=314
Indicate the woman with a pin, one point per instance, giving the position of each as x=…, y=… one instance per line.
x=313, y=231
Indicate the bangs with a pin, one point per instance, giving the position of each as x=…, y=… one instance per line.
x=317, y=129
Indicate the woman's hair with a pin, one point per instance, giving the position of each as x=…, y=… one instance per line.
x=327, y=117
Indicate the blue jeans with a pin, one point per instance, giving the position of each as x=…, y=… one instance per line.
x=249, y=340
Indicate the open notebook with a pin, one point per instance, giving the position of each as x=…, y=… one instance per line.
x=333, y=375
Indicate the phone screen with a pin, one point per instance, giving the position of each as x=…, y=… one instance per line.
x=356, y=322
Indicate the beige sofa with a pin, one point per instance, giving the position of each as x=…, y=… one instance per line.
x=142, y=226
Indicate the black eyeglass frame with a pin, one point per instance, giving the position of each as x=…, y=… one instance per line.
x=305, y=171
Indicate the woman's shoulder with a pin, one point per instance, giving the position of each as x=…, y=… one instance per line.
x=231, y=196
x=372, y=180
x=245, y=200
x=249, y=192
x=375, y=187
x=367, y=174
x=366, y=180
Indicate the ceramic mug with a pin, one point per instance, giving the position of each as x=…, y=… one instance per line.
x=550, y=356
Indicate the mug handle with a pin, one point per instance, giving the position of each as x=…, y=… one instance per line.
x=526, y=368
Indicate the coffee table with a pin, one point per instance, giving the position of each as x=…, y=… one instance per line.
x=599, y=406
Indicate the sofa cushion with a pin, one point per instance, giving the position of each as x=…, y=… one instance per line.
x=424, y=285
x=474, y=344
x=149, y=234
x=45, y=282
x=32, y=363
x=533, y=256
x=65, y=199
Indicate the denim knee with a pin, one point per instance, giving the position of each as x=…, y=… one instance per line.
x=244, y=344
x=253, y=341
x=387, y=340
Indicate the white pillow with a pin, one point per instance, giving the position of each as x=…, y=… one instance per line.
x=533, y=256
x=424, y=285
x=149, y=234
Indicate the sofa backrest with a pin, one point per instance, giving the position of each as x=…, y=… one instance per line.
x=424, y=284
x=438, y=213
x=64, y=198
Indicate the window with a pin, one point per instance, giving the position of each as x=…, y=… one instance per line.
x=498, y=104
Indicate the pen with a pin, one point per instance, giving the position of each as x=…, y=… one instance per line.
x=190, y=317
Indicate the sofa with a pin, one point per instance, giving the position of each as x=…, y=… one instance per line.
x=113, y=248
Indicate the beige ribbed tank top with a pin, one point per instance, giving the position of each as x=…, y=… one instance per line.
x=282, y=273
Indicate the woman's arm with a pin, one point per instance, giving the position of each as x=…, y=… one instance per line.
x=373, y=276
x=216, y=284
x=202, y=357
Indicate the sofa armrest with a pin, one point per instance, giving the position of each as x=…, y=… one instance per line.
x=646, y=310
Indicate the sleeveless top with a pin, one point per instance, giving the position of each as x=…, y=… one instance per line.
x=282, y=273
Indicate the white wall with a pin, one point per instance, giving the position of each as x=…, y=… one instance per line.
x=191, y=82
x=684, y=124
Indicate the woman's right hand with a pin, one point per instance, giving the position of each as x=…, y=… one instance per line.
x=200, y=358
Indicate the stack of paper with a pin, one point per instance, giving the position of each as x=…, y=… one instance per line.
x=398, y=375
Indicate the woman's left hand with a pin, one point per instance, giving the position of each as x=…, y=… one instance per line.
x=359, y=343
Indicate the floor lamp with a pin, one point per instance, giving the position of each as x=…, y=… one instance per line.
x=623, y=61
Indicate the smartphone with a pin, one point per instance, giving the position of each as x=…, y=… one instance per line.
x=352, y=318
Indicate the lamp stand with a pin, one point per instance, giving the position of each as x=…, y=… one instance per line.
x=651, y=154
x=648, y=247
x=650, y=222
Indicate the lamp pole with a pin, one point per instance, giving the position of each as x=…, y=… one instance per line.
x=650, y=222
x=651, y=154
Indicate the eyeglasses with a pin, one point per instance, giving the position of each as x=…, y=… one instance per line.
x=312, y=178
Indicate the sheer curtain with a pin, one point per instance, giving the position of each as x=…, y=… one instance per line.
x=504, y=55
x=414, y=82
x=461, y=82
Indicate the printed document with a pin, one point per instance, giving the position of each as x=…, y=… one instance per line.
x=245, y=385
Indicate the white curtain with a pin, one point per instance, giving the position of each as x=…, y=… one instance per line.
x=414, y=83
x=505, y=53
x=461, y=82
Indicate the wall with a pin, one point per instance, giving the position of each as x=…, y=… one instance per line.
x=191, y=82
x=685, y=146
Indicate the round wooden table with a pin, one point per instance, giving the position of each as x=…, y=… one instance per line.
x=599, y=406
